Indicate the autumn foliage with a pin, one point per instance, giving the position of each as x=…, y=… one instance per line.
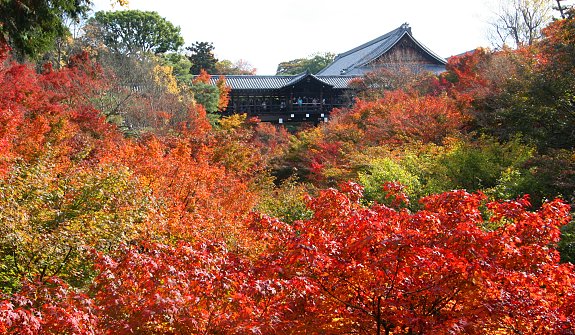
x=397, y=119
x=460, y=265
x=407, y=117
x=50, y=109
x=167, y=230
x=439, y=270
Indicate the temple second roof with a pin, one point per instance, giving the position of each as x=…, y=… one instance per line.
x=359, y=60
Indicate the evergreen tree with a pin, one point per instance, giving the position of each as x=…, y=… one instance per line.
x=202, y=57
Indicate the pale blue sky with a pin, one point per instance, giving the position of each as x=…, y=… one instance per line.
x=265, y=33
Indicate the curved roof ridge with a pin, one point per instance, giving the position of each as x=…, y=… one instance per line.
x=431, y=53
x=385, y=48
x=297, y=78
x=380, y=50
x=374, y=41
x=321, y=80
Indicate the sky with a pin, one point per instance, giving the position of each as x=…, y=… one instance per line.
x=265, y=32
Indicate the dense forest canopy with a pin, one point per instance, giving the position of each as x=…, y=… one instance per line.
x=435, y=204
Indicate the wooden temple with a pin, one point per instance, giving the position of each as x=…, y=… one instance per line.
x=310, y=98
x=282, y=99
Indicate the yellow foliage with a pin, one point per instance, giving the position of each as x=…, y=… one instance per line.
x=51, y=218
x=232, y=122
x=164, y=76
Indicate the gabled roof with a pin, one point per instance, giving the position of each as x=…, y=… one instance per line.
x=299, y=77
x=353, y=61
x=255, y=82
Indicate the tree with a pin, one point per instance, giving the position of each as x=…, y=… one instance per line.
x=459, y=265
x=64, y=47
x=313, y=64
x=130, y=32
x=563, y=9
x=147, y=92
x=31, y=27
x=375, y=84
x=56, y=215
x=181, y=66
x=385, y=170
x=48, y=110
x=204, y=93
x=292, y=67
x=58, y=198
x=202, y=58
x=226, y=67
x=223, y=93
x=52, y=307
x=527, y=91
x=519, y=22
x=405, y=117
x=162, y=289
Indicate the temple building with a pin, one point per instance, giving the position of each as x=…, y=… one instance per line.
x=304, y=97
x=395, y=49
x=310, y=98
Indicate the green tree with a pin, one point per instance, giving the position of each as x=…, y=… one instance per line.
x=486, y=164
x=133, y=31
x=31, y=27
x=291, y=67
x=313, y=64
x=64, y=47
x=382, y=170
x=180, y=64
x=202, y=57
x=207, y=95
x=286, y=201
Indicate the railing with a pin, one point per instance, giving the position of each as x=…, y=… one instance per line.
x=277, y=108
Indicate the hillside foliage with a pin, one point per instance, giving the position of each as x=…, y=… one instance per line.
x=436, y=204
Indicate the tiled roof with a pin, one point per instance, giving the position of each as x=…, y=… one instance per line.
x=255, y=82
x=346, y=66
x=252, y=82
x=337, y=81
x=352, y=61
x=299, y=77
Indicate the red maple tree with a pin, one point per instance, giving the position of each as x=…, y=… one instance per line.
x=460, y=265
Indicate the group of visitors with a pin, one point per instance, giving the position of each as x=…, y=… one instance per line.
x=295, y=104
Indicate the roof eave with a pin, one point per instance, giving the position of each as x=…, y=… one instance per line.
x=429, y=52
x=423, y=47
x=364, y=62
x=365, y=45
x=298, y=78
